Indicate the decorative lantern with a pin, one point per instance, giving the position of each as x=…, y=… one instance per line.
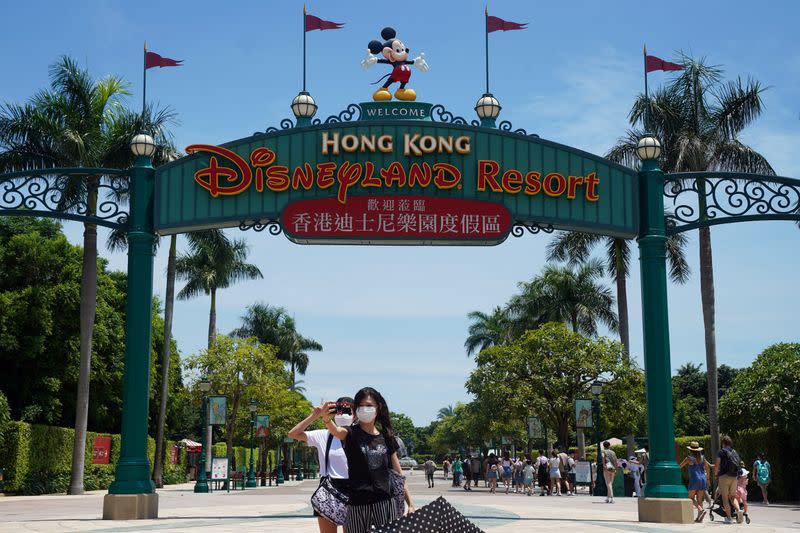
x=487, y=108
x=304, y=107
x=648, y=148
x=143, y=145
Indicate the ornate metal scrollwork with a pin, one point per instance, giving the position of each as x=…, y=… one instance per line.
x=285, y=125
x=507, y=126
x=272, y=226
x=350, y=114
x=440, y=114
x=701, y=199
x=519, y=228
x=65, y=193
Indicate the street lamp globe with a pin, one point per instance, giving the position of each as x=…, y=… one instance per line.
x=204, y=385
x=143, y=145
x=648, y=147
x=304, y=106
x=487, y=107
x=597, y=387
x=253, y=406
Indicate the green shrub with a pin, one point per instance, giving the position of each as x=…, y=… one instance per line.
x=36, y=483
x=5, y=416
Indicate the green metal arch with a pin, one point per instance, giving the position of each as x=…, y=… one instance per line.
x=40, y=193
x=704, y=199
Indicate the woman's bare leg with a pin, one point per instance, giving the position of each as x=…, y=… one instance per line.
x=325, y=526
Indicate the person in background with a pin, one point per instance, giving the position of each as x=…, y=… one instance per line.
x=698, y=477
x=637, y=470
x=555, y=474
x=491, y=478
x=466, y=468
x=726, y=468
x=543, y=473
x=527, y=477
x=741, y=489
x=519, y=466
x=762, y=475
x=506, y=472
x=564, y=466
x=609, y=470
x=323, y=441
x=645, y=460
x=475, y=466
x=371, y=449
x=457, y=470
x=429, y=467
x=446, y=466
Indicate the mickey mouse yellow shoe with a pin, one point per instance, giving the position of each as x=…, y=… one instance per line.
x=382, y=94
x=407, y=95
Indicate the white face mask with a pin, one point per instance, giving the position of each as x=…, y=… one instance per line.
x=343, y=420
x=366, y=414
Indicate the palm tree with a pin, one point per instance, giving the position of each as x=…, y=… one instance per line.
x=699, y=118
x=78, y=121
x=574, y=248
x=444, y=412
x=272, y=325
x=486, y=330
x=562, y=294
x=214, y=262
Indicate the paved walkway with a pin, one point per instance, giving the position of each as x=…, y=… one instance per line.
x=286, y=509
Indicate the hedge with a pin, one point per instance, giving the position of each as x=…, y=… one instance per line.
x=38, y=459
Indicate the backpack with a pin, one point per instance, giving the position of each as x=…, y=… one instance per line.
x=729, y=463
x=762, y=472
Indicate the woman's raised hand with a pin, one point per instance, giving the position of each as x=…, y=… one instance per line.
x=326, y=410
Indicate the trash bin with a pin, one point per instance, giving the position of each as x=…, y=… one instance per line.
x=629, y=485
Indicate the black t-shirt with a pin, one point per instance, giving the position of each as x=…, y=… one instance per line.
x=368, y=463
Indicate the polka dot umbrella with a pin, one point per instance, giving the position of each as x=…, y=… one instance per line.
x=436, y=517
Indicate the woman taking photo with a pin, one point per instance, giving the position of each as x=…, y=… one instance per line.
x=332, y=460
x=371, y=451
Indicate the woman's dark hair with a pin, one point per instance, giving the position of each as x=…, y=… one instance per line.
x=383, y=420
x=761, y=455
x=506, y=455
x=541, y=452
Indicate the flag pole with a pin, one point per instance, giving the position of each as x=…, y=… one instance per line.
x=144, y=80
x=646, y=93
x=486, y=35
x=304, y=47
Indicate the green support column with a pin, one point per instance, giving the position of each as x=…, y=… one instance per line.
x=132, y=494
x=667, y=494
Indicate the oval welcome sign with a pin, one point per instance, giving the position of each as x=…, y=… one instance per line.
x=359, y=182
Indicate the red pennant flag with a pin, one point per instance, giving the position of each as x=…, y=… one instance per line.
x=498, y=24
x=316, y=23
x=656, y=63
x=152, y=59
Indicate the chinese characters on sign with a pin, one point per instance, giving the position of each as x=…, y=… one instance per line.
x=101, y=450
x=400, y=218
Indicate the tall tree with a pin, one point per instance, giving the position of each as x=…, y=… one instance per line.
x=486, y=330
x=78, y=121
x=213, y=262
x=562, y=294
x=273, y=325
x=575, y=248
x=699, y=117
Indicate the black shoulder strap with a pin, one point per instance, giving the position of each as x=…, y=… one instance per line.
x=327, y=453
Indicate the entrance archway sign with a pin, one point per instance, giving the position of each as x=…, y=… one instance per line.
x=396, y=173
x=477, y=184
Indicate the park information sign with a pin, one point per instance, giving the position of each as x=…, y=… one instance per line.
x=395, y=176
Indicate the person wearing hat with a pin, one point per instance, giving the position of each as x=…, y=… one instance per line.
x=636, y=470
x=698, y=477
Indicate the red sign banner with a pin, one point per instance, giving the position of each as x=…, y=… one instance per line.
x=400, y=219
x=101, y=451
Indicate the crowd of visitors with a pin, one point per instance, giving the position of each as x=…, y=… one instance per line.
x=362, y=484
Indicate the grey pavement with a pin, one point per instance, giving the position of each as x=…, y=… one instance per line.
x=286, y=509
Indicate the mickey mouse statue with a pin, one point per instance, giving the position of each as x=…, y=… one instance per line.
x=395, y=54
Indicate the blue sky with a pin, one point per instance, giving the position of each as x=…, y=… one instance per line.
x=570, y=77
